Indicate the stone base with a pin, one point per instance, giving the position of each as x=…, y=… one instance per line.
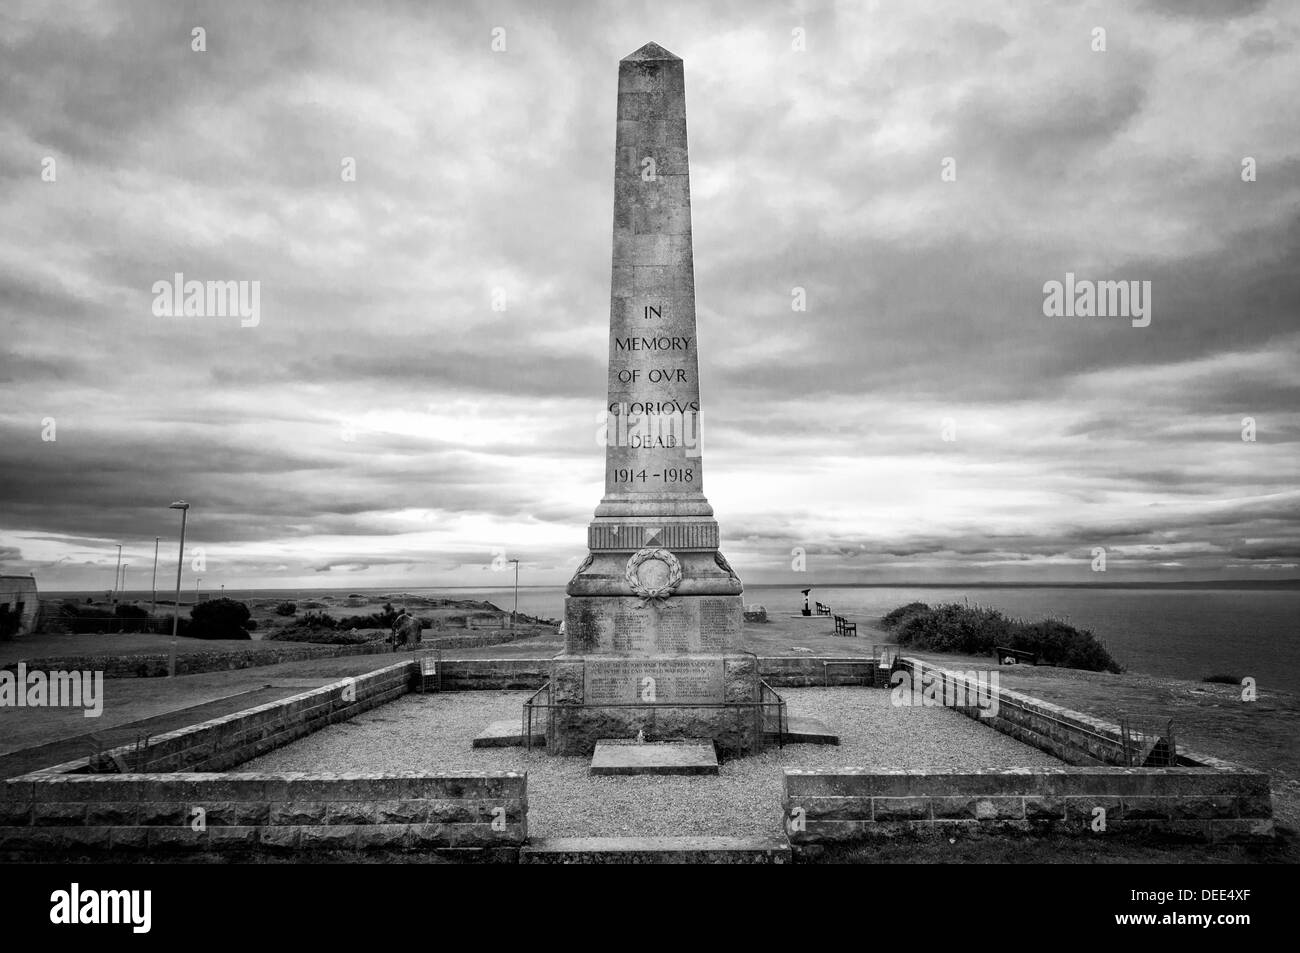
x=666, y=698
x=671, y=757
x=626, y=624
x=508, y=733
x=801, y=730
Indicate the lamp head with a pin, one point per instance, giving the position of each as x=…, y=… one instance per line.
x=179, y=505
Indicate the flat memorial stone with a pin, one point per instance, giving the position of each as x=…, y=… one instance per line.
x=508, y=733
x=659, y=757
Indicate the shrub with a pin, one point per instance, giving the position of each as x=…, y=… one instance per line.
x=1222, y=679
x=376, y=620
x=219, y=619
x=9, y=622
x=977, y=630
x=321, y=636
x=316, y=620
x=894, y=619
x=286, y=608
x=75, y=617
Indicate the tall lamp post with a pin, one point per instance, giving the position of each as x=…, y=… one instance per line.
x=180, y=563
x=117, y=571
x=154, y=609
x=516, y=608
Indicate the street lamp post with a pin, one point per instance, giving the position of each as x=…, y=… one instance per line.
x=154, y=609
x=515, y=611
x=180, y=563
x=123, y=588
x=117, y=571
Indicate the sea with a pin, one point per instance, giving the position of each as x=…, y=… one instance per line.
x=1176, y=633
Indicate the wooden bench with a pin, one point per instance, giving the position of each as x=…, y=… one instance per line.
x=1010, y=656
x=844, y=627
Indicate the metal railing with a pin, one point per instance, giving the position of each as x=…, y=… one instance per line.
x=768, y=712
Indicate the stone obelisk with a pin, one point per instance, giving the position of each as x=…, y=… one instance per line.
x=654, y=615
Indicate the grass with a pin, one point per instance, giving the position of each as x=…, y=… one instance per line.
x=1060, y=849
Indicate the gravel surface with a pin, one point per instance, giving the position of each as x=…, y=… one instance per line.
x=433, y=733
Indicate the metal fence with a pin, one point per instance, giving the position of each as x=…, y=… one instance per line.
x=770, y=721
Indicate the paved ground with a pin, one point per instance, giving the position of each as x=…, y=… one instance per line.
x=434, y=732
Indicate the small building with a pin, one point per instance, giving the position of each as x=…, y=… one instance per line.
x=18, y=595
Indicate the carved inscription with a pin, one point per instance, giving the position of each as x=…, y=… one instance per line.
x=652, y=681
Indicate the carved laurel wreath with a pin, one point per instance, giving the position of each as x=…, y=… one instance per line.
x=586, y=564
x=649, y=593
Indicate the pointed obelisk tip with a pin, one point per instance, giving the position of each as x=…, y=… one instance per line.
x=651, y=51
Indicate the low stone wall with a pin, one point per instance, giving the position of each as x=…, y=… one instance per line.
x=443, y=816
x=460, y=675
x=1072, y=736
x=856, y=804
x=530, y=673
x=815, y=671
x=268, y=652
x=230, y=740
x=451, y=642
x=156, y=665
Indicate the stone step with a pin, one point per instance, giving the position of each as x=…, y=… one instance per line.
x=802, y=730
x=764, y=849
x=655, y=757
x=508, y=733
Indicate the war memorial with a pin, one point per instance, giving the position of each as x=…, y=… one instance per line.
x=655, y=734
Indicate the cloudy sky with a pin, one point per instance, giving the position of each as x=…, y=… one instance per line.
x=383, y=425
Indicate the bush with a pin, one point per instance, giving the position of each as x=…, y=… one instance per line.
x=75, y=617
x=900, y=615
x=219, y=619
x=376, y=620
x=1222, y=679
x=9, y=622
x=321, y=636
x=286, y=608
x=976, y=630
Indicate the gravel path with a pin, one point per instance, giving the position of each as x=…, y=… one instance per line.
x=433, y=733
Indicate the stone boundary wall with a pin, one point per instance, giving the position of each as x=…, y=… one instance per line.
x=531, y=673
x=461, y=675
x=857, y=804
x=1072, y=736
x=480, y=817
x=816, y=671
x=464, y=674
x=222, y=743
x=155, y=665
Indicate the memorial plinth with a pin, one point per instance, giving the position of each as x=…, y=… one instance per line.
x=654, y=615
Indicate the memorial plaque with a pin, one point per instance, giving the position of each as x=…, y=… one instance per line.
x=686, y=679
